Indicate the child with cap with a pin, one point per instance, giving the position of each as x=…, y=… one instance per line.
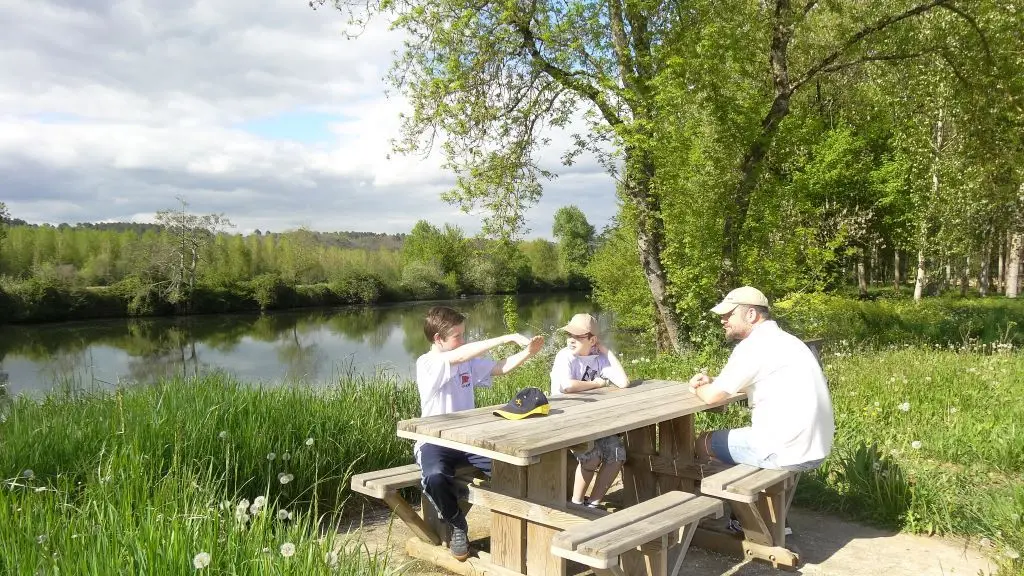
x=446, y=376
x=586, y=364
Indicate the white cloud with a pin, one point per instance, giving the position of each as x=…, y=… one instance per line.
x=111, y=110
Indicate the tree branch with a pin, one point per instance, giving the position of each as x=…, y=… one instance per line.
x=878, y=26
x=880, y=58
x=566, y=78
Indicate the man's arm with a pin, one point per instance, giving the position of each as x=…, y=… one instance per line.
x=700, y=385
x=471, y=350
x=533, y=345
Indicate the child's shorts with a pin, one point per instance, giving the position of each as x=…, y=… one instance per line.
x=607, y=449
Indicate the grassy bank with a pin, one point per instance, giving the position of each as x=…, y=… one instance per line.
x=144, y=479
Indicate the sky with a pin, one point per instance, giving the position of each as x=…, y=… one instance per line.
x=111, y=110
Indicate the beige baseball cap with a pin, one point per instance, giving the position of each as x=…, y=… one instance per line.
x=743, y=295
x=581, y=324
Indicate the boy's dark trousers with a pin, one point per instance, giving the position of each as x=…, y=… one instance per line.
x=438, y=465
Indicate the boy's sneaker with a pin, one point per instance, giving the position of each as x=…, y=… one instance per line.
x=590, y=503
x=459, y=544
x=734, y=526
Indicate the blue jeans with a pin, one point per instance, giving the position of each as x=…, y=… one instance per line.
x=737, y=447
x=437, y=467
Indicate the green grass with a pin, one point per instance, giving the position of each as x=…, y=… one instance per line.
x=142, y=479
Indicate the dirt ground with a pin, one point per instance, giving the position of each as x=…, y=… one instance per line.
x=828, y=545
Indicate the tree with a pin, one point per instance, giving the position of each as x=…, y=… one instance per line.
x=189, y=234
x=575, y=236
x=5, y=217
x=490, y=76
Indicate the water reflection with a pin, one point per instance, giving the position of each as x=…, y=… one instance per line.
x=307, y=346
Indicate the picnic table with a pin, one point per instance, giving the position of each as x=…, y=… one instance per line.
x=535, y=529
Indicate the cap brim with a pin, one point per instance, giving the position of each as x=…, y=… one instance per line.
x=541, y=410
x=724, y=308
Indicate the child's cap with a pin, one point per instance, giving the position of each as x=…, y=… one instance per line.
x=527, y=402
x=581, y=324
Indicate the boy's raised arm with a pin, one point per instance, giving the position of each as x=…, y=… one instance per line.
x=471, y=350
x=533, y=345
x=616, y=373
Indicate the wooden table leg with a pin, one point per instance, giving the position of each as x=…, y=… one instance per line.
x=545, y=485
x=640, y=484
x=508, y=533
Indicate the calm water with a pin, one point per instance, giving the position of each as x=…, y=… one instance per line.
x=308, y=346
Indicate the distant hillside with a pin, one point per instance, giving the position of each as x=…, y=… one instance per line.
x=361, y=240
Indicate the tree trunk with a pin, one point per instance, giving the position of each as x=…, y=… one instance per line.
x=1013, y=264
x=650, y=241
x=1000, y=271
x=896, y=269
x=983, y=273
x=862, y=277
x=919, y=282
x=964, y=276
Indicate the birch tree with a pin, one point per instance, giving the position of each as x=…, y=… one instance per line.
x=189, y=235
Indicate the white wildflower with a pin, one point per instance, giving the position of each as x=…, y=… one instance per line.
x=285, y=478
x=271, y=456
x=331, y=559
x=309, y=441
x=287, y=549
x=904, y=407
x=284, y=515
x=916, y=444
x=201, y=560
x=952, y=410
x=927, y=378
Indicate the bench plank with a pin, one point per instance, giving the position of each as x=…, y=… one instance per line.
x=758, y=481
x=632, y=535
x=571, y=539
x=719, y=481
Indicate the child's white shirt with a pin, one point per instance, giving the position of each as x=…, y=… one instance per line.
x=445, y=388
x=567, y=367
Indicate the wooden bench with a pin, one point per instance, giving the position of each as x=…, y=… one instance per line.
x=760, y=499
x=386, y=484
x=656, y=525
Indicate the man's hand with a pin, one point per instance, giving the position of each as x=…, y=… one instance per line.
x=699, y=379
x=535, y=344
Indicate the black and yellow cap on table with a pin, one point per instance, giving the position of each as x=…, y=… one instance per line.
x=526, y=403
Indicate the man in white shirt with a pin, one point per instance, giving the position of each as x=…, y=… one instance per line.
x=792, y=423
x=446, y=376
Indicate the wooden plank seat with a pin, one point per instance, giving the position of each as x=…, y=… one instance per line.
x=656, y=525
x=386, y=485
x=760, y=500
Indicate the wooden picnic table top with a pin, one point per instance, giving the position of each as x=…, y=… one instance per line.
x=573, y=419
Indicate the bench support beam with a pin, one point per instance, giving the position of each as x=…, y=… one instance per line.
x=734, y=545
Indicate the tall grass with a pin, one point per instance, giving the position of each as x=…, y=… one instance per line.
x=142, y=479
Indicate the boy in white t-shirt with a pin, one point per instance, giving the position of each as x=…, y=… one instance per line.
x=446, y=377
x=585, y=364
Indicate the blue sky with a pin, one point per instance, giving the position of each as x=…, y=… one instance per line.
x=112, y=110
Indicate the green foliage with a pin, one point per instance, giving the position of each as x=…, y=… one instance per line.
x=619, y=284
x=267, y=290
x=936, y=321
x=575, y=237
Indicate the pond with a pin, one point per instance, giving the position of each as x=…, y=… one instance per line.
x=313, y=346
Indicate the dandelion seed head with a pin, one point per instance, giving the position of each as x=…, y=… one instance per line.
x=41, y=539
x=201, y=560
x=952, y=410
x=916, y=444
x=286, y=456
x=223, y=434
x=28, y=473
x=284, y=515
x=904, y=407
x=257, y=505
x=271, y=456
x=331, y=559
x=285, y=478
x=287, y=549
x=309, y=441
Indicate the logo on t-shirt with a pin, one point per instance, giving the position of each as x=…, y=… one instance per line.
x=589, y=374
x=465, y=379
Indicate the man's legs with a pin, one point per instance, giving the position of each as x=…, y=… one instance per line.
x=613, y=455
